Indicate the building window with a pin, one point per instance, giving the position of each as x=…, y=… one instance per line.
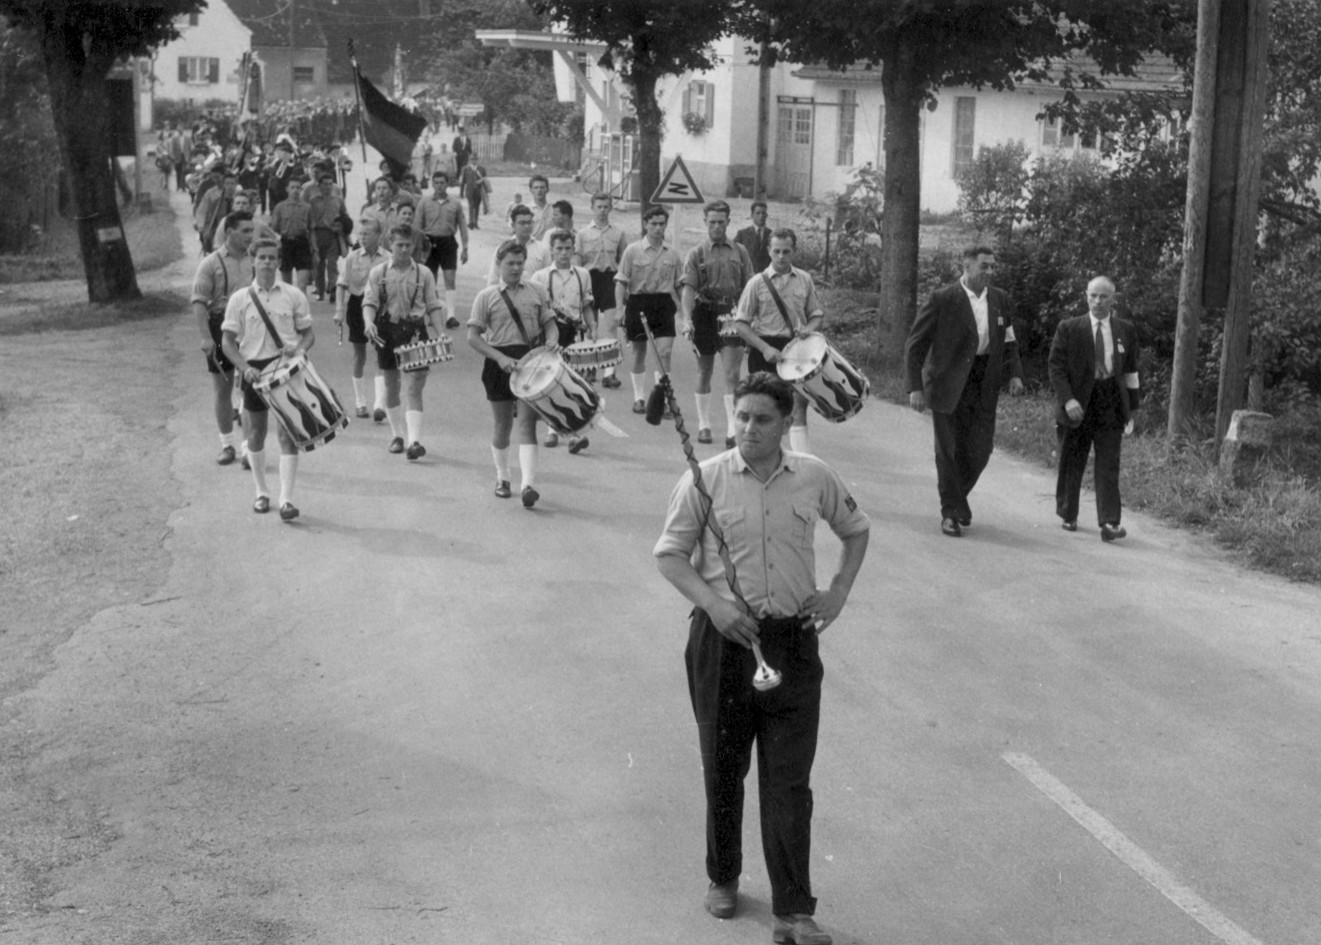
x=965, y=113
x=1054, y=136
x=305, y=74
x=700, y=99
x=199, y=70
x=192, y=19
x=848, y=122
x=802, y=126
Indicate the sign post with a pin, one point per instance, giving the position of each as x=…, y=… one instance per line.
x=676, y=188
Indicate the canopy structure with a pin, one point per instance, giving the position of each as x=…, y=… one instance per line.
x=566, y=47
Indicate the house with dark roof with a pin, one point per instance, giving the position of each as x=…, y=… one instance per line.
x=202, y=65
x=290, y=45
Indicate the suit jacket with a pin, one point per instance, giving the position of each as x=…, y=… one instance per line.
x=1073, y=364
x=943, y=342
x=462, y=146
x=759, y=251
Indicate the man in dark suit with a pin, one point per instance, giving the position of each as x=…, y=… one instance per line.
x=960, y=350
x=462, y=149
x=1094, y=371
x=756, y=239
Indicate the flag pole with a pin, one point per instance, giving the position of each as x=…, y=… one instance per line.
x=362, y=130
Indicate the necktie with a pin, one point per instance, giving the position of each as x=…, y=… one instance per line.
x=1100, y=353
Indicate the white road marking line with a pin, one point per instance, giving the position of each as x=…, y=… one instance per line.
x=1130, y=853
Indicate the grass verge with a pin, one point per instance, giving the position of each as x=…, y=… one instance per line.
x=153, y=241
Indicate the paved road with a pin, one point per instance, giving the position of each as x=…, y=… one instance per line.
x=422, y=714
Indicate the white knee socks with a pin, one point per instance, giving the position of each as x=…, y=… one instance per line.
x=288, y=472
x=257, y=459
x=527, y=462
x=639, y=385
x=396, y=417
x=729, y=414
x=379, y=403
x=413, y=419
x=501, y=457
x=359, y=392
x=703, y=410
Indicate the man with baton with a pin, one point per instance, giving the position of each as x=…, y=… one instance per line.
x=738, y=544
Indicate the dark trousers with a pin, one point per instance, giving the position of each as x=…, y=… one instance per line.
x=181, y=172
x=1102, y=427
x=325, y=263
x=965, y=438
x=783, y=722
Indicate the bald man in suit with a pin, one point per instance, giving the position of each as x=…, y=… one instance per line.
x=959, y=352
x=1094, y=372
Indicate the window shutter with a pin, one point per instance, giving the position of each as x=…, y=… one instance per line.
x=688, y=98
x=183, y=69
x=215, y=71
x=710, y=96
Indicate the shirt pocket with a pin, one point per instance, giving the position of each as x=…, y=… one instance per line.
x=802, y=524
x=734, y=526
x=665, y=270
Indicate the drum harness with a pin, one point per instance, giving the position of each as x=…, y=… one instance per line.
x=270, y=326
x=224, y=271
x=550, y=291
x=518, y=319
x=385, y=300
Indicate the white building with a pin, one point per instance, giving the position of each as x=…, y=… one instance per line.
x=203, y=63
x=823, y=124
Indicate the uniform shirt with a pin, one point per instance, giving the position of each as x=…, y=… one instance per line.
x=324, y=211
x=571, y=287
x=292, y=220
x=219, y=276
x=288, y=311
x=491, y=316
x=600, y=248
x=757, y=306
x=649, y=270
x=386, y=218
x=981, y=311
x=537, y=258
x=769, y=527
x=357, y=266
x=545, y=219
x=717, y=270
x=409, y=293
x=439, y=217
x=1109, y=337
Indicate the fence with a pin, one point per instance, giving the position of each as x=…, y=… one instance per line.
x=554, y=152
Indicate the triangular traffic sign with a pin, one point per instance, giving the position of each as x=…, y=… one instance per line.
x=677, y=186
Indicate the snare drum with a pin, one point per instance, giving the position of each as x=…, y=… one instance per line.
x=817, y=371
x=728, y=333
x=421, y=354
x=544, y=382
x=305, y=405
x=589, y=355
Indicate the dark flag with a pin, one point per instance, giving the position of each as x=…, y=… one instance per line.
x=389, y=128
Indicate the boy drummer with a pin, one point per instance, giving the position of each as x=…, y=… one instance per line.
x=352, y=282
x=508, y=320
x=569, y=289
x=250, y=346
x=403, y=295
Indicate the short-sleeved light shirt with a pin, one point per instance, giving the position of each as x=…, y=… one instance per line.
x=410, y=293
x=769, y=527
x=491, y=316
x=385, y=218
x=545, y=219
x=219, y=276
x=439, y=217
x=599, y=248
x=757, y=306
x=717, y=270
x=537, y=258
x=357, y=266
x=649, y=270
x=287, y=309
x=571, y=287
x=323, y=210
x=291, y=219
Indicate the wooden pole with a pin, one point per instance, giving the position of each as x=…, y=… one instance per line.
x=763, y=121
x=1254, y=26
x=1183, y=379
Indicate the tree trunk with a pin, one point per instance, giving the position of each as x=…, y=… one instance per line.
x=904, y=96
x=77, y=84
x=650, y=128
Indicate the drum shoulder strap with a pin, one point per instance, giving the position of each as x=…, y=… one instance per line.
x=261, y=310
x=790, y=320
x=518, y=319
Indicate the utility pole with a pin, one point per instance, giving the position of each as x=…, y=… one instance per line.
x=1224, y=182
x=763, y=120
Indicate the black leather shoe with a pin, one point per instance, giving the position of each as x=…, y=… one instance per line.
x=799, y=929
x=1069, y=525
x=262, y=505
x=227, y=456
x=704, y=435
x=722, y=899
x=950, y=527
x=416, y=451
x=1112, y=532
x=288, y=512
x=530, y=497
x=502, y=490
x=397, y=445
x=639, y=406
x=378, y=415
x=610, y=380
